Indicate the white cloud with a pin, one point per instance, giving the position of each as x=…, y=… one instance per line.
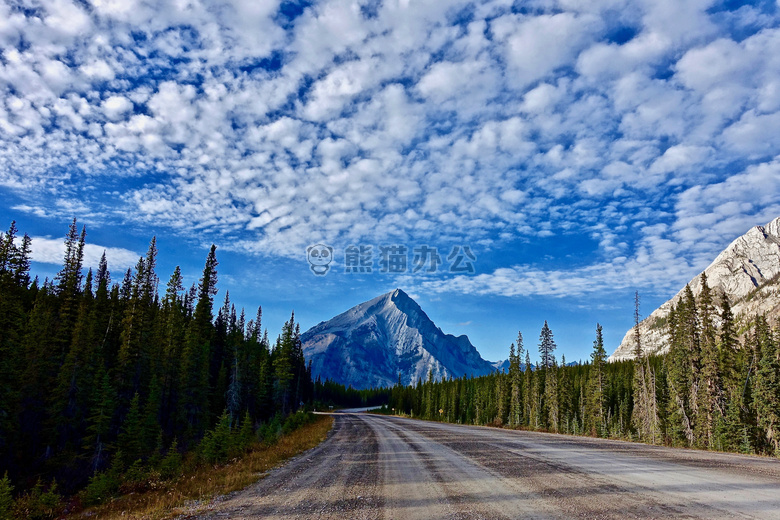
x=52, y=251
x=115, y=107
x=538, y=45
x=398, y=122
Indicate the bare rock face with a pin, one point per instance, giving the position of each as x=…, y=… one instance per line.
x=372, y=343
x=747, y=271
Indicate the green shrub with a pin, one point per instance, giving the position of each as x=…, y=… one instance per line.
x=170, y=466
x=101, y=487
x=295, y=421
x=6, y=497
x=38, y=504
x=217, y=445
x=135, y=479
x=270, y=431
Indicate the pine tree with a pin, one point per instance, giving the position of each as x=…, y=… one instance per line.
x=195, y=361
x=283, y=367
x=69, y=285
x=131, y=436
x=546, y=346
x=710, y=410
x=729, y=425
x=528, y=388
x=551, y=397
x=767, y=387
x=645, y=411
x=565, y=392
x=683, y=368
x=6, y=498
x=595, y=416
x=516, y=383
x=99, y=421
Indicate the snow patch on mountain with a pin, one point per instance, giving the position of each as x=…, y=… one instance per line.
x=373, y=343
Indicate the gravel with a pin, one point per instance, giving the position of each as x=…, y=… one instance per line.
x=375, y=467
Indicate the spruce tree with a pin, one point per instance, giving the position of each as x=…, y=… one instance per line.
x=594, y=413
x=528, y=388
x=516, y=383
x=709, y=395
x=194, y=376
x=767, y=388
x=546, y=346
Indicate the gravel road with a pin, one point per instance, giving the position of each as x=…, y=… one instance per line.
x=374, y=467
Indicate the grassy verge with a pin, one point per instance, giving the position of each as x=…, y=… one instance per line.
x=205, y=483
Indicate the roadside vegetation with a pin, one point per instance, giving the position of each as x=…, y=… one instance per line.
x=116, y=388
x=199, y=481
x=710, y=391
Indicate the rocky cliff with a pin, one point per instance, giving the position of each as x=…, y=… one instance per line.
x=747, y=271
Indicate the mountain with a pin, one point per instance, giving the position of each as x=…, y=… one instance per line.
x=747, y=271
x=371, y=343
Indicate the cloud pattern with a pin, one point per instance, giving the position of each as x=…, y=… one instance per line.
x=651, y=127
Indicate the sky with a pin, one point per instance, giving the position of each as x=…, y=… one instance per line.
x=544, y=159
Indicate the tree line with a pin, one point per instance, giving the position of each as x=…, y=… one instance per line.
x=718, y=387
x=97, y=375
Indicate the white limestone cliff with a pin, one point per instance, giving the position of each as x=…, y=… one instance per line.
x=747, y=271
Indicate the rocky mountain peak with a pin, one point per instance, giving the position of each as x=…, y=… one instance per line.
x=747, y=271
x=372, y=343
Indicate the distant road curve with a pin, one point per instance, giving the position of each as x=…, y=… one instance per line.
x=374, y=467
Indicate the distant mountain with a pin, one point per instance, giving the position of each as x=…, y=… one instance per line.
x=747, y=271
x=372, y=343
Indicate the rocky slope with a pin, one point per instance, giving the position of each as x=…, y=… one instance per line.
x=371, y=343
x=747, y=271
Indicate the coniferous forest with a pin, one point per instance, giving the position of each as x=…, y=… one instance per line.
x=105, y=377
x=710, y=391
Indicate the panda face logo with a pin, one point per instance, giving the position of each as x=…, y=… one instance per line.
x=319, y=256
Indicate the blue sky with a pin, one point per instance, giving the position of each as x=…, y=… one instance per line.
x=582, y=150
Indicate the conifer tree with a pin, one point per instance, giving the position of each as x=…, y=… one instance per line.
x=528, y=388
x=645, y=411
x=709, y=397
x=683, y=371
x=99, y=421
x=6, y=497
x=595, y=422
x=546, y=346
x=131, y=436
x=551, y=397
x=516, y=383
x=767, y=387
x=194, y=368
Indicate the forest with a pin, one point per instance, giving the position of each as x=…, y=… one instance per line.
x=102, y=381
x=712, y=390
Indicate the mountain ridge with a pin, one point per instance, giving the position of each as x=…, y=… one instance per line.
x=747, y=271
x=370, y=344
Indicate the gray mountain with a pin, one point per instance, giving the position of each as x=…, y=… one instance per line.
x=372, y=343
x=747, y=271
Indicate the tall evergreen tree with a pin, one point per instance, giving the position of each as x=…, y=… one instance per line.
x=195, y=362
x=595, y=415
x=516, y=383
x=710, y=409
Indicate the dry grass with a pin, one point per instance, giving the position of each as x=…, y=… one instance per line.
x=172, y=499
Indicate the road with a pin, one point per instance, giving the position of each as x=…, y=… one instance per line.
x=374, y=467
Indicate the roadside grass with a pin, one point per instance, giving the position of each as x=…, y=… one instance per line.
x=194, y=489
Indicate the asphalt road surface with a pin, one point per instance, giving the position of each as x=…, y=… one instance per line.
x=374, y=467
